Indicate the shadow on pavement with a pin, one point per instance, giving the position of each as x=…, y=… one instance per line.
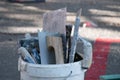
x=104, y=13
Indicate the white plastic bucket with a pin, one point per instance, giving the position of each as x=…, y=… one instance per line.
x=69, y=71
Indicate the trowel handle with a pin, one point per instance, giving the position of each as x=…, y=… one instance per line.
x=25, y=54
x=87, y=52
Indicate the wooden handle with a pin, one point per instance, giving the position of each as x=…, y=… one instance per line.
x=56, y=44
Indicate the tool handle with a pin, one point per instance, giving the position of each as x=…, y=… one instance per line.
x=25, y=54
x=74, y=41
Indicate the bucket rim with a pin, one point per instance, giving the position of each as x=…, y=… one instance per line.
x=50, y=65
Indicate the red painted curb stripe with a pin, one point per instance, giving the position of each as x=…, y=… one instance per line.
x=100, y=52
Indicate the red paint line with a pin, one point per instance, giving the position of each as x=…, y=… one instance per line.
x=101, y=50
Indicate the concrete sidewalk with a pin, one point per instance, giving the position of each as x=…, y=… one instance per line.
x=27, y=17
